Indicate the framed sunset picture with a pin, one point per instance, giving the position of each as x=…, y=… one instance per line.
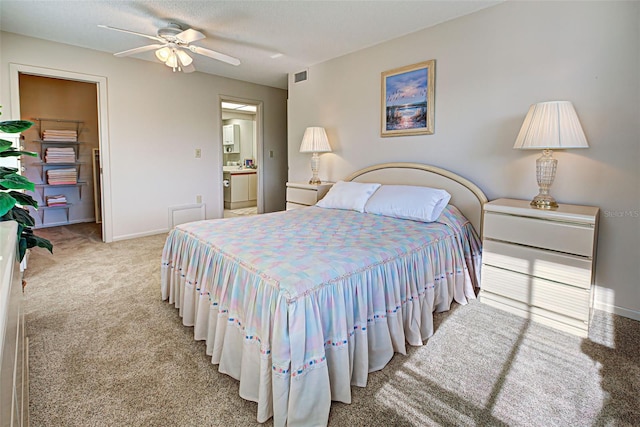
x=408, y=100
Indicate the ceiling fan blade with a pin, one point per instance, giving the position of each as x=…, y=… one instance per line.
x=215, y=55
x=190, y=35
x=188, y=69
x=158, y=39
x=139, y=50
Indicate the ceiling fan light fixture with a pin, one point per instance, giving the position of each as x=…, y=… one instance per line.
x=163, y=54
x=184, y=58
x=172, y=61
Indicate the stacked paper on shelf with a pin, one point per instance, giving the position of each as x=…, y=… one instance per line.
x=60, y=155
x=59, y=135
x=62, y=176
x=57, y=200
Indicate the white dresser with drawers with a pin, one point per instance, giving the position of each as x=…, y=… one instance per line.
x=14, y=376
x=301, y=195
x=540, y=264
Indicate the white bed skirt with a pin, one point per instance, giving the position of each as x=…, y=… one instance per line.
x=295, y=401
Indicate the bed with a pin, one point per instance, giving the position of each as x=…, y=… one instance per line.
x=301, y=305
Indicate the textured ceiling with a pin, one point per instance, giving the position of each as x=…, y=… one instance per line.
x=305, y=33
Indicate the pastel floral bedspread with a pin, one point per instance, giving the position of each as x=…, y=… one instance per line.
x=300, y=305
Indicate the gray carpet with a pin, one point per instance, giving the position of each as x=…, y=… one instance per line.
x=106, y=351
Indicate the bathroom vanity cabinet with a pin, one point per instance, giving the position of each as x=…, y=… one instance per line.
x=241, y=189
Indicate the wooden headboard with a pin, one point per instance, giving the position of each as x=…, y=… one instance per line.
x=465, y=195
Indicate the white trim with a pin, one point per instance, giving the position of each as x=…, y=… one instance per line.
x=103, y=125
x=56, y=224
x=143, y=234
x=620, y=311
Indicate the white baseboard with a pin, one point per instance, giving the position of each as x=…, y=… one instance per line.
x=57, y=224
x=620, y=311
x=177, y=215
x=143, y=234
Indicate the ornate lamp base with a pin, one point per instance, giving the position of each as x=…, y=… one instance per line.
x=546, y=167
x=315, y=164
x=542, y=201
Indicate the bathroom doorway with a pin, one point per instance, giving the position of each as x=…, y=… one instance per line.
x=241, y=142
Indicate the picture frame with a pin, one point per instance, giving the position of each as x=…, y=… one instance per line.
x=408, y=100
x=248, y=163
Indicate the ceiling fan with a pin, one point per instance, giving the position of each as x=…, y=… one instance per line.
x=173, y=41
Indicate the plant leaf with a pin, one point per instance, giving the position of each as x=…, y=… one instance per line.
x=6, y=203
x=16, y=182
x=22, y=247
x=21, y=215
x=24, y=199
x=5, y=145
x=7, y=169
x=8, y=216
x=27, y=233
x=16, y=153
x=4, y=171
x=33, y=241
x=15, y=126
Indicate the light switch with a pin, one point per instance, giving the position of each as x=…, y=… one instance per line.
x=271, y=154
x=198, y=153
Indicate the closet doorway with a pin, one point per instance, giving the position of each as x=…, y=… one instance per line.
x=241, y=157
x=68, y=137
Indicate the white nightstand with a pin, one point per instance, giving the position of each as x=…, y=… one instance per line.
x=540, y=264
x=301, y=195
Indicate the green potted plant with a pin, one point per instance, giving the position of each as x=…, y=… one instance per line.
x=12, y=201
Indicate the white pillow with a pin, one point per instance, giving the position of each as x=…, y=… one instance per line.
x=408, y=202
x=348, y=195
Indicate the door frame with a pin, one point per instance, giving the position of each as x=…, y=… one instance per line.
x=259, y=145
x=103, y=125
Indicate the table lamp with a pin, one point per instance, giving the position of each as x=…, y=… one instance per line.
x=549, y=126
x=315, y=141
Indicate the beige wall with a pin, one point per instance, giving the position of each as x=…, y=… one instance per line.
x=49, y=98
x=157, y=119
x=490, y=66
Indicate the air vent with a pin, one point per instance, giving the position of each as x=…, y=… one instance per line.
x=301, y=76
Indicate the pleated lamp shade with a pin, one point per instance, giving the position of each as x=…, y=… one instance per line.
x=315, y=140
x=551, y=125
